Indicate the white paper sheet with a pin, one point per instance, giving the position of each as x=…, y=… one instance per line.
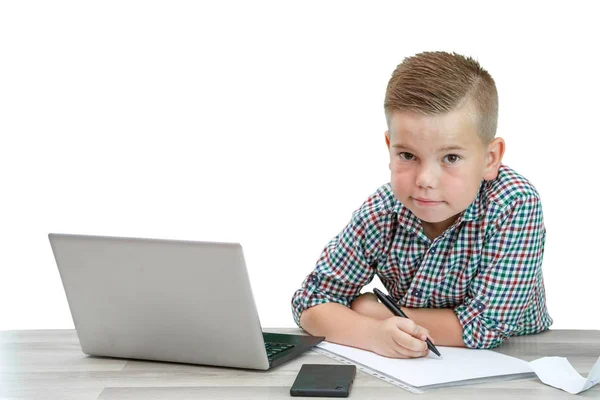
x=457, y=364
x=558, y=372
x=462, y=365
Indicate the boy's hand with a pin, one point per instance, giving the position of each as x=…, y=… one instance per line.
x=398, y=337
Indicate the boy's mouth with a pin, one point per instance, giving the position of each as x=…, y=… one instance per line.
x=426, y=202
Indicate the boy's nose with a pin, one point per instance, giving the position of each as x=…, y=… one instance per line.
x=427, y=177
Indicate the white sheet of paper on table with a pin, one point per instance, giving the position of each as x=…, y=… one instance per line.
x=456, y=365
x=459, y=364
x=559, y=373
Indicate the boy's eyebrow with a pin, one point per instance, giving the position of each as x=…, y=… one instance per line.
x=452, y=147
x=401, y=146
x=445, y=148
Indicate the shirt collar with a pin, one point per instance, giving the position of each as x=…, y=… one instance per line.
x=407, y=219
x=475, y=209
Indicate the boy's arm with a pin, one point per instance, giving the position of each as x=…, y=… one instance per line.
x=338, y=324
x=507, y=296
x=442, y=323
x=393, y=337
x=348, y=262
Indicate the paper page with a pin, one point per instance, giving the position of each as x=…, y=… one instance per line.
x=558, y=372
x=456, y=364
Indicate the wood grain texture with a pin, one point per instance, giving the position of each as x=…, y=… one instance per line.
x=49, y=364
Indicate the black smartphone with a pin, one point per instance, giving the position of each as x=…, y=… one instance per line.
x=323, y=380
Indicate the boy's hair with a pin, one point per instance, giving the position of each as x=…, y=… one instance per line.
x=439, y=82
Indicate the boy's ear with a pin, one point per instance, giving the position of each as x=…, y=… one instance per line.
x=495, y=152
x=387, y=141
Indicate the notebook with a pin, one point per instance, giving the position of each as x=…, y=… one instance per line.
x=167, y=300
x=458, y=366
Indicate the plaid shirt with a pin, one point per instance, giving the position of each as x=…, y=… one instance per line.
x=487, y=266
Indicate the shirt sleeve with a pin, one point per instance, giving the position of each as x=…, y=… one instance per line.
x=346, y=264
x=509, y=285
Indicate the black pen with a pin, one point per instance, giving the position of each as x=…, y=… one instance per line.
x=387, y=301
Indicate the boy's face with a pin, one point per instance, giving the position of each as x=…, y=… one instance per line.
x=437, y=163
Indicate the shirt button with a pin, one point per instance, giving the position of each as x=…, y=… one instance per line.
x=432, y=251
x=417, y=293
x=314, y=279
x=480, y=306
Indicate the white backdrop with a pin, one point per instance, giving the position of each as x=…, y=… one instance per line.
x=262, y=122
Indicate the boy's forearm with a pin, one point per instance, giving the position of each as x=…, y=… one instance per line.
x=339, y=324
x=442, y=323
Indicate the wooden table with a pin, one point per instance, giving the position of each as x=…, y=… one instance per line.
x=49, y=364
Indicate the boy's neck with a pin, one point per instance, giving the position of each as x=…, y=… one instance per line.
x=435, y=229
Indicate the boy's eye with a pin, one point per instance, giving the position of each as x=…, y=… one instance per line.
x=406, y=156
x=451, y=159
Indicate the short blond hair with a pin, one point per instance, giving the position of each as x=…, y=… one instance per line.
x=439, y=82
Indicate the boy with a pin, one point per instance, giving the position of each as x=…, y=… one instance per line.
x=456, y=238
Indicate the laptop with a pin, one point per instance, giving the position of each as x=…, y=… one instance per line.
x=167, y=300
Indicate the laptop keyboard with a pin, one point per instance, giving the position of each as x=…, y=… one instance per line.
x=275, y=348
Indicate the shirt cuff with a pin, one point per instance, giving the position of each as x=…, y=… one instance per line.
x=311, y=296
x=477, y=332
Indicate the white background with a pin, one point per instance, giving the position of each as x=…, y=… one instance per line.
x=263, y=123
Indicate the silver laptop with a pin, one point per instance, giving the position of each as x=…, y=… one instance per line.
x=167, y=300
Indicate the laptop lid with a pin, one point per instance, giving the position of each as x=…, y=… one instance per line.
x=165, y=300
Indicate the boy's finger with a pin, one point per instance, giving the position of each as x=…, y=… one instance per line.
x=428, y=335
x=408, y=342
x=408, y=326
x=424, y=334
x=404, y=352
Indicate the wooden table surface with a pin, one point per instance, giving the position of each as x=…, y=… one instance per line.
x=49, y=364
